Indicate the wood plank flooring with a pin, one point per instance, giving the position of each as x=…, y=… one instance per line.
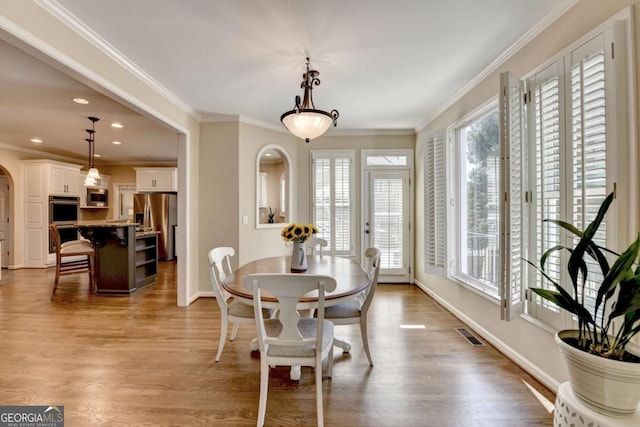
x=143, y=361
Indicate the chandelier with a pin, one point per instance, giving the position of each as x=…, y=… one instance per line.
x=304, y=121
x=93, y=176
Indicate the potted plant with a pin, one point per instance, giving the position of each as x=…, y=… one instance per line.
x=603, y=365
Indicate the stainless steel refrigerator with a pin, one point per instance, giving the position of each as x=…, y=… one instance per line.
x=159, y=212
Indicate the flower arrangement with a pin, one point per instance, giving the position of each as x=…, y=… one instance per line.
x=298, y=233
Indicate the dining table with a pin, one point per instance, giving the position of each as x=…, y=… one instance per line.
x=350, y=277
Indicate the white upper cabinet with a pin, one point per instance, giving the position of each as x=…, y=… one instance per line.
x=52, y=178
x=63, y=180
x=156, y=179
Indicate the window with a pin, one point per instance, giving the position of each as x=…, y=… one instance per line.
x=476, y=240
x=571, y=136
x=332, y=199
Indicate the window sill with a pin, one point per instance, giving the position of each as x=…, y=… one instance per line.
x=484, y=292
x=539, y=323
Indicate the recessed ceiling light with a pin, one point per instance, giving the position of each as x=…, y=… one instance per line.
x=116, y=142
x=97, y=155
x=267, y=154
x=117, y=125
x=80, y=101
x=36, y=140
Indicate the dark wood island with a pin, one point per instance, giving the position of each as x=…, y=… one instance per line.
x=126, y=259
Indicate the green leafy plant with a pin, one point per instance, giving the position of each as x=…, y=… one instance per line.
x=618, y=295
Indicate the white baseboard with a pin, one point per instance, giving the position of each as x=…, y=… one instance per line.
x=516, y=357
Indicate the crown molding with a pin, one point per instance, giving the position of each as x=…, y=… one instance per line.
x=71, y=21
x=41, y=154
x=370, y=132
x=533, y=32
x=221, y=118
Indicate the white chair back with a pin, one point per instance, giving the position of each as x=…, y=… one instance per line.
x=373, y=271
x=316, y=243
x=220, y=268
x=288, y=289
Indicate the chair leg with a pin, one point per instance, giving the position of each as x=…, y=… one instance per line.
x=223, y=336
x=319, y=406
x=55, y=283
x=264, y=388
x=330, y=363
x=365, y=338
x=234, y=331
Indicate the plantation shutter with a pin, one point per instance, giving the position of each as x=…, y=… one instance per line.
x=587, y=106
x=342, y=205
x=332, y=197
x=545, y=107
x=512, y=174
x=386, y=223
x=321, y=215
x=435, y=204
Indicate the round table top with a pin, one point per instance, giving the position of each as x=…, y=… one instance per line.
x=351, y=279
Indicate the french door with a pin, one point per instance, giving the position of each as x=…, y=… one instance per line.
x=386, y=219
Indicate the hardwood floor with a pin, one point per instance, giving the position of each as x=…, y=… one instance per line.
x=143, y=361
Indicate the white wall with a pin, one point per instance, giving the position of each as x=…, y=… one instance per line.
x=530, y=345
x=255, y=242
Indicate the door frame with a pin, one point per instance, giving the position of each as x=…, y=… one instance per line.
x=364, y=199
x=6, y=258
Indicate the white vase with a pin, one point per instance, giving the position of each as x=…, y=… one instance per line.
x=610, y=387
x=298, y=258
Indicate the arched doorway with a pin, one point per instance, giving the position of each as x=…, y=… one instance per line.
x=6, y=222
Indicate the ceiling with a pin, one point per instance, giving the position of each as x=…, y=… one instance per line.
x=387, y=66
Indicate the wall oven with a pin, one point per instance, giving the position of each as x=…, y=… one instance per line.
x=63, y=212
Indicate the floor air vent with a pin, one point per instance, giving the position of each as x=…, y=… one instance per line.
x=473, y=340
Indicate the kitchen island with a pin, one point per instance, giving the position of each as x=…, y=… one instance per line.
x=126, y=259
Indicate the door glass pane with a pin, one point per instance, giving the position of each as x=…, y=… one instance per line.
x=388, y=221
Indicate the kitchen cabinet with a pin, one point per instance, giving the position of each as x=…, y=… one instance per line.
x=156, y=179
x=44, y=178
x=64, y=180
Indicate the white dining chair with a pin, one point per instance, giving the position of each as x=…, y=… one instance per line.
x=290, y=340
x=230, y=310
x=355, y=311
x=316, y=245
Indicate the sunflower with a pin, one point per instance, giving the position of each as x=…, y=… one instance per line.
x=298, y=232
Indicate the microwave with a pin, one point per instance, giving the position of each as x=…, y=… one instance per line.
x=98, y=197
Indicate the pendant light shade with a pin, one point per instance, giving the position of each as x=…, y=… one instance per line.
x=304, y=121
x=93, y=175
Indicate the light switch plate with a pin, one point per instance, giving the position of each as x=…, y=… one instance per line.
x=245, y=219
